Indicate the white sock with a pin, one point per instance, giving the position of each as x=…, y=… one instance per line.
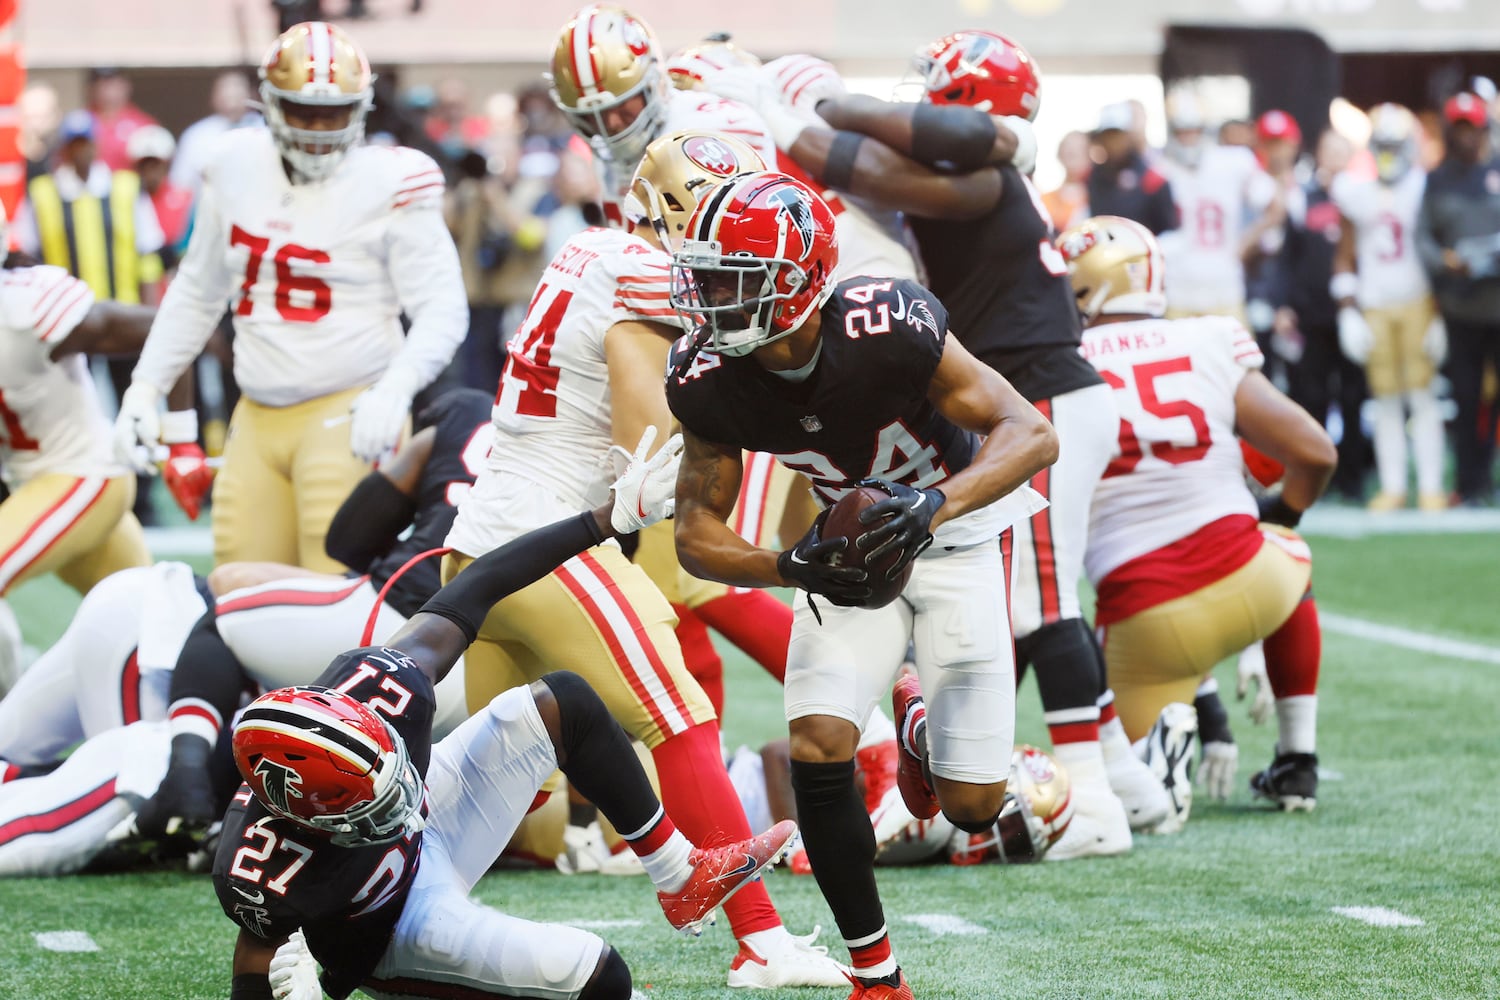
x=765, y=942
x=1390, y=444
x=1427, y=441
x=1297, y=724
x=1209, y=686
x=1113, y=743
x=1084, y=763
x=668, y=865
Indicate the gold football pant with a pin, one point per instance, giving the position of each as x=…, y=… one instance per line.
x=286, y=471
x=1397, y=362
x=1161, y=654
x=600, y=617
x=79, y=527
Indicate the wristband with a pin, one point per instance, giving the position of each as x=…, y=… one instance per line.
x=179, y=427
x=838, y=168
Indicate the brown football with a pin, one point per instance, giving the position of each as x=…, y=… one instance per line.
x=843, y=519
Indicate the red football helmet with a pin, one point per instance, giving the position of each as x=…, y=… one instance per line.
x=758, y=260
x=982, y=70
x=319, y=758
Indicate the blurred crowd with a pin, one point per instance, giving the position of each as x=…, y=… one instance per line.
x=1315, y=242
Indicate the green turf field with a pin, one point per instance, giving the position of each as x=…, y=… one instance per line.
x=1240, y=905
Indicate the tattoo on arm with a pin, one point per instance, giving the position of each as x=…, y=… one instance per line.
x=701, y=479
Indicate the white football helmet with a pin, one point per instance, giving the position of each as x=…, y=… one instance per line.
x=605, y=60
x=316, y=69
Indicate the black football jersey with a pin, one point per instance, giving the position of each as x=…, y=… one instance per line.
x=862, y=412
x=462, y=420
x=1007, y=289
x=273, y=876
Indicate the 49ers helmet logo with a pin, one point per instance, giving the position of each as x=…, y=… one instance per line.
x=278, y=783
x=636, y=37
x=792, y=207
x=712, y=155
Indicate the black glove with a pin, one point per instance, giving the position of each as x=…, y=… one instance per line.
x=907, y=526
x=1274, y=510
x=807, y=565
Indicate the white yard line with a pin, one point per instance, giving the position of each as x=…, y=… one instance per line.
x=944, y=924
x=1377, y=916
x=1421, y=642
x=595, y=925
x=65, y=941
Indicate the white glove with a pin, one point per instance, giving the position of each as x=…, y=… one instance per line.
x=378, y=416
x=1252, y=670
x=1355, y=336
x=646, y=491
x=294, y=973
x=139, y=423
x=1435, y=341
x=748, y=87
x=1024, y=159
x=803, y=81
x=1216, y=772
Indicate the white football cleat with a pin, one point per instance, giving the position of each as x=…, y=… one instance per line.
x=1146, y=801
x=784, y=959
x=1100, y=826
x=1170, y=750
x=585, y=851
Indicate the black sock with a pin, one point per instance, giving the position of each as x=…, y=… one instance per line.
x=1069, y=667
x=597, y=757
x=840, y=844
x=1213, y=719
x=581, y=813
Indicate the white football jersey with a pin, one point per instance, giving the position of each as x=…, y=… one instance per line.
x=50, y=419
x=1180, y=465
x=1384, y=217
x=551, y=455
x=316, y=275
x=1215, y=201
x=871, y=240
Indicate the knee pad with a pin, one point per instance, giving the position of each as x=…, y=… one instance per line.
x=611, y=982
x=1069, y=666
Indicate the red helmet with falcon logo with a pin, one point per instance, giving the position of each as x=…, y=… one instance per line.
x=982, y=70
x=322, y=760
x=757, y=260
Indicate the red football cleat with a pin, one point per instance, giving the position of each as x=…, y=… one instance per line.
x=881, y=991
x=878, y=763
x=906, y=702
x=720, y=872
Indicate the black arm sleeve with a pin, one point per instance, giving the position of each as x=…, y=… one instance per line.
x=955, y=137
x=368, y=522
x=469, y=596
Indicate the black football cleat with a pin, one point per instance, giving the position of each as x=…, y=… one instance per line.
x=1291, y=782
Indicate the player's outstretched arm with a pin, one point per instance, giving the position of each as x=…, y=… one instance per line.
x=954, y=137
x=1279, y=427
x=438, y=634
x=1018, y=440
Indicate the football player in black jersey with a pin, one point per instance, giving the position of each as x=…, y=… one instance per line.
x=356, y=840
x=848, y=383
x=276, y=625
x=956, y=164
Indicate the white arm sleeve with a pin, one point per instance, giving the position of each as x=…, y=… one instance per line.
x=195, y=300
x=423, y=265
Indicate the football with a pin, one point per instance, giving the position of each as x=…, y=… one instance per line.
x=843, y=520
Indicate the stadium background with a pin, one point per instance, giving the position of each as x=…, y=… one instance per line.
x=1245, y=903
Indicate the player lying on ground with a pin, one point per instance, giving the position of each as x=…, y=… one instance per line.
x=324, y=843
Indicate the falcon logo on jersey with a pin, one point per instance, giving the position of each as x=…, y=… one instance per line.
x=921, y=317
x=278, y=781
x=793, y=208
x=256, y=919
x=712, y=155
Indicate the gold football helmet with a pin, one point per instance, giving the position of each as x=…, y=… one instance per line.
x=316, y=72
x=1393, y=141
x=675, y=168
x=1037, y=810
x=1116, y=267
x=607, y=78
x=689, y=67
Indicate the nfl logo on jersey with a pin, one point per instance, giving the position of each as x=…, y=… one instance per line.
x=811, y=424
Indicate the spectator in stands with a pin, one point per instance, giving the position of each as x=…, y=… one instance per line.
x=1323, y=377
x=115, y=117
x=451, y=123
x=1458, y=237
x=229, y=101
x=1068, y=203
x=1121, y=182
x=38, y=110
x=1277, y=141
x=151, y=149
x=1237, y=132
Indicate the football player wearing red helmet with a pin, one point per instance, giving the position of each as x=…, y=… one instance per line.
x=845, y=382
x=355, y=837
x=956, y=163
